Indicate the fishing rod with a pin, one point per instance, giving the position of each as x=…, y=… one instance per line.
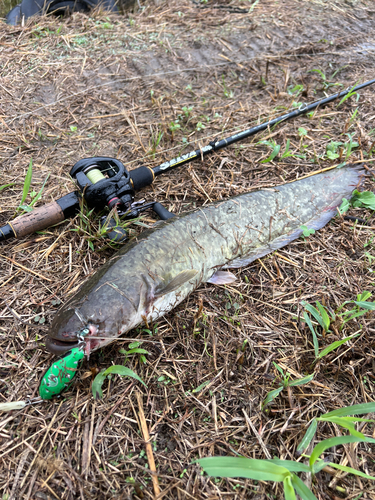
x=104, y=182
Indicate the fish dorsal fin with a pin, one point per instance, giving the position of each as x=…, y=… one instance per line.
x=176, y=282
x=222, y=278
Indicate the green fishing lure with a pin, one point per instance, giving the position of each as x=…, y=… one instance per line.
x=60, y=375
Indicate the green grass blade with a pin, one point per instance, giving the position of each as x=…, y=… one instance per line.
x=315, y=338
x=271, y=396
x=97, y=386
x=291, y=465
x=335, y=345
x=324, y=315
x=116, y=369
x=136, y=350
x=364, y=296
x=352, y=471
x=26, y=185
x=301, y=488
x=286, y=152
x=335, y=441
x=347, y=423
x=310, y=433
x=369, y=306
x=6, y=185
x=274, y=153
x=360, y=409
x=348, y=419
x=259, y=470
x=289, y=493
x=26, y=208
x=314, y=312
x=40, y=192
x=319, y=465
x=278, y=368
x=301, y=381
x=348, y=95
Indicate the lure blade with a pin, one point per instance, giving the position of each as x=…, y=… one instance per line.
x=61, y=373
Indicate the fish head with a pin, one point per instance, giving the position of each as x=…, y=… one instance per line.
x=104, y=314
x=68, y=330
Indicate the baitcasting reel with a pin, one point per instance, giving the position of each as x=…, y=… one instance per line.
x=104, y=182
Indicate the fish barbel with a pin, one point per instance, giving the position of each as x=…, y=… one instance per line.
x=157, y=270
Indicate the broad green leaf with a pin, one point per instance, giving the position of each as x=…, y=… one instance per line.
x=335, y=441
x=134, y=344
x=344, y=207
x=369, y=306
x=260, y=470
x=6, y=185
x=301, y=488
x=335, y=345
x=116, y=369
x=301, y=381
x=315, y=338
x=302, y=132
x=26, y=185
x=351, y=410
x=306, y=231
x=351, y=471
x=332, y=156
x=271, y=396
x=310, y=433
x=324, y=315
x=289, y=492
x=291, y=465
x=274, y=153
x=364, y=199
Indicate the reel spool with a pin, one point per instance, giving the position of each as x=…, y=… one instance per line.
x=104, y=182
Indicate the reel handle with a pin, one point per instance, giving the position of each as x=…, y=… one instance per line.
x=162, y=212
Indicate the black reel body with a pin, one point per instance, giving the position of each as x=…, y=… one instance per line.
x=106, y=182
x=100, y=190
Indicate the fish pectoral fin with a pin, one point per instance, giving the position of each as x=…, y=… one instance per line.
x=179, y=280
x=222, y=278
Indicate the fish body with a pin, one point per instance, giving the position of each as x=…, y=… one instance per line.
x=156, y=271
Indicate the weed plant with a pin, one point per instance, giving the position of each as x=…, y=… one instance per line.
x=286, y=471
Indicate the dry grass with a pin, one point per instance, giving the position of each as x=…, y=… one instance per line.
x=110, y=86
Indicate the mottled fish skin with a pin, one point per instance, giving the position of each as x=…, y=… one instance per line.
x=157, y=270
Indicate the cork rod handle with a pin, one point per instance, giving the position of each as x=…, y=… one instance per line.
x=38, y=219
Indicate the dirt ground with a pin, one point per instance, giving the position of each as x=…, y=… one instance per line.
x=143, y=88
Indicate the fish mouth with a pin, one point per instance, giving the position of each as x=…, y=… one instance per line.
x=58, y=347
